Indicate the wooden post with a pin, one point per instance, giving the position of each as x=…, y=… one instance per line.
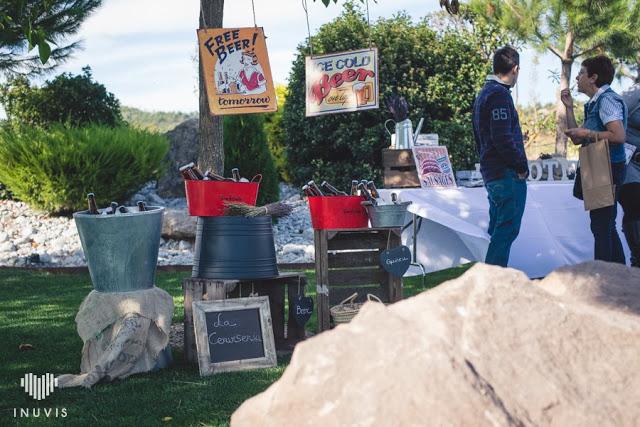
x=199, y=290
x=322, y=270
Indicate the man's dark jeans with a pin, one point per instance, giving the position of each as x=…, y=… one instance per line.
x=608, y=246
x=507, y=197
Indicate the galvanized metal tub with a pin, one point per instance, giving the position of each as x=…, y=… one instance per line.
x=387, y=215
x=234, y=247
x=121, y=250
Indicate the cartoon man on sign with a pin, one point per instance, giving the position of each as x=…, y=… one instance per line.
x=251, y=78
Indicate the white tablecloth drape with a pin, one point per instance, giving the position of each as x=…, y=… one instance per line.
x=555, y=228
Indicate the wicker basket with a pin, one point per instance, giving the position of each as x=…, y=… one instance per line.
x=347, y=309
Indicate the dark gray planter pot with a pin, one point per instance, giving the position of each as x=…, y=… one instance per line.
x=121, y=250
x=234, y=247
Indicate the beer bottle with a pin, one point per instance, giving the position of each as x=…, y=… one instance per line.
x=197, y=172
x=211, y=176
x=307, y=191
x=364, y=192
x=114, y=207
x=312, y=185
x=93, y=208
x=236, y=174
x=354, y=187
x=373, y=190
x=331, y=190
x=187, y=172
x=141, y=206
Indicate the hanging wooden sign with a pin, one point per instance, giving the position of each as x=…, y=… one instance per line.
x=342, y=82
x=236, y=70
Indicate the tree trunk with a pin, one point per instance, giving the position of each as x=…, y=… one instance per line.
x=565, y=75
x=561, y=112
x=211, y=149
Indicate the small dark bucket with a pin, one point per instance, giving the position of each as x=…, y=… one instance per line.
x=234, y=247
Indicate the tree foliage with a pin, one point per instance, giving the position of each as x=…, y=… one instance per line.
x=569, y=30
x=245, y=148
x=275, y=136
x=438, y=65
x=155, y=121
x=75, y=100
x=45, y=24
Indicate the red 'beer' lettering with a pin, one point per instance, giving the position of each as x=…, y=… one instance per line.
x=321, y=89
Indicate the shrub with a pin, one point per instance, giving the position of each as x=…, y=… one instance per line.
x=438, y=72
x=74, y=100
x=275, y=136
x=54, y=169
x=245, y=148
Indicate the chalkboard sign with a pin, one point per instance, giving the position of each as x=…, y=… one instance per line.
x=233, y=334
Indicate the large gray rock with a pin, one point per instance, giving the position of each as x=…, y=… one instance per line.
x=183, y=149
x=178, y=225
x=491, y=348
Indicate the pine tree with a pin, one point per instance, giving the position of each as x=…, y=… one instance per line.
x=26, y=24
x=569, y=29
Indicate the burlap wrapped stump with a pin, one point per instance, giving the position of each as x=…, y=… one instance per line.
x=123, y=334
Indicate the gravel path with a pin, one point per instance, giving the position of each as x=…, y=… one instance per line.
x=31, y=238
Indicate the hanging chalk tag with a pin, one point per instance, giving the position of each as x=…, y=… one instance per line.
x=302, y=309
x=396, y=261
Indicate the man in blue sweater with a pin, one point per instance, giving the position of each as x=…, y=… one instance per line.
x=503, y=162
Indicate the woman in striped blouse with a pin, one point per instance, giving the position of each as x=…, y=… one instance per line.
x=605, y=117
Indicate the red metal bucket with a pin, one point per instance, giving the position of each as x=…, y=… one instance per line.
x=337, y=212
x=207, y=198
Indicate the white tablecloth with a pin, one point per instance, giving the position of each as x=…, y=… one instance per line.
x=555, y=228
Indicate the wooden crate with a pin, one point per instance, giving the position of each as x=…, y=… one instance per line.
x=285, y=333
x=348, y=261
x=399, y=169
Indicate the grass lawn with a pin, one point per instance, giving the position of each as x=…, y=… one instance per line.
x=39, y=308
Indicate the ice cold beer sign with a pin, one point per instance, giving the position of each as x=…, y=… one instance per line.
x=342, y=82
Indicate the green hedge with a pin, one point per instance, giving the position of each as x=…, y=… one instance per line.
x=53, y=169
x=245, y=148
x=438, y=64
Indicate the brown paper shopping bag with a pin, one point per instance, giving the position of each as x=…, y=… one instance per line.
x=595, y=174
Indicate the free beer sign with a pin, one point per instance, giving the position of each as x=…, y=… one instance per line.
x=342, y=82
x=236, y=70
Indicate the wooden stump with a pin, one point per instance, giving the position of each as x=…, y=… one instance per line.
x=199, y=290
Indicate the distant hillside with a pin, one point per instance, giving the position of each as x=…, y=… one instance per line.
x=158, y=121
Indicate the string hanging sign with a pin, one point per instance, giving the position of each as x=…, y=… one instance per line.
x=236, y=69
x=341, y=82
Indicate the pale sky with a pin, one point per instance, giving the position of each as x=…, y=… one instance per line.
x=143, y=50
